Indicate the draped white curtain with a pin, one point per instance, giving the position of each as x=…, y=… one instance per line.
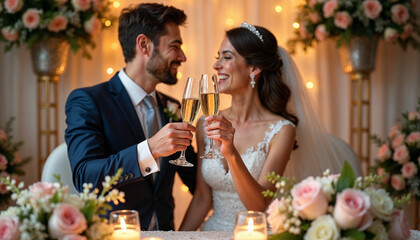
x=395, y=80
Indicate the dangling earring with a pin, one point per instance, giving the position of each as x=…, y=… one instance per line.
x=252, y=80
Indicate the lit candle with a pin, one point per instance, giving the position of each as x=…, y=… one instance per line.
x=152, y=238
x=247, y=235
x=125, y=233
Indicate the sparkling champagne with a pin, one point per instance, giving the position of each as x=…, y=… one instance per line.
x=210, y=103
x=190, y=109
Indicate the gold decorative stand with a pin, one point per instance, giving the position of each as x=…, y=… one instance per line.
x=49, y=58
x=358, y=60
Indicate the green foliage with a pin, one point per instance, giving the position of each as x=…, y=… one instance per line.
x=346, y=179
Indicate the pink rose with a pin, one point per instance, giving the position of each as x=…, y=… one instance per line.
x=398, y=140
x=342, y=20
x=10, y=34
x=397, y=182
x=81, y=5
x=312, y=3
x=390, y=34
x=93, y=26
x=408, y=30
x=303, y=32
x=3, y=135
x=9, y=228
x=329, y=7
x=384, y=175
x=413, y=137
x=13, y=6
x=74, y=237
x=314, y=16
x=401, y=155
x=309, y=199
x=321, y=32
x=60, y=2
x=97, y=5
x=58, y=23
x=372, y=8
x=31, y=18
x=3, y=162
x=41, y=190
x=399, y=14
x=276, y=217
x=350, y=208
x=396, y=129
x=66, y=220
x=399, y=227
x=414, y=114
x=409, y=169
x=384, y=152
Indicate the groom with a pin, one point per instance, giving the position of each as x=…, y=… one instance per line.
x=112, y=125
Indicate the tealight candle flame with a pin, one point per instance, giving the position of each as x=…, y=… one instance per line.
x=250, y=225
x=123, y=226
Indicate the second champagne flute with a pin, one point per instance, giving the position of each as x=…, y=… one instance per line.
x=209, y=96
x=189, y=111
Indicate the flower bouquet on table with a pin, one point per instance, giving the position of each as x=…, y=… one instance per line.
x=46, y=211
x=334, y=207
x=78, y=21
x=11, y=163
x=398, y=158
x=318, y=20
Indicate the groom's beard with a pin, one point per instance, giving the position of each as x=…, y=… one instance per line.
x=161, y=69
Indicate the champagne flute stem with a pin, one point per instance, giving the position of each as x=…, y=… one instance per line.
x=182, y=155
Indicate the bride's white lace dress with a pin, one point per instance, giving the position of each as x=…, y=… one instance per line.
x=226, y=202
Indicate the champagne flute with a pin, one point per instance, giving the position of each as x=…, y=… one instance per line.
x=189, y=111
x=209, y=96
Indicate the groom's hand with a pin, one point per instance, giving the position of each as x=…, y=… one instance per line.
x=172, y=138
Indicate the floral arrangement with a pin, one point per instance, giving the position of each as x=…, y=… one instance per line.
x=11, y=163
x=46, y=211
x=334, y=207
x=172, y=111
x=398, y=158
x=78, y=21
x=394, y=20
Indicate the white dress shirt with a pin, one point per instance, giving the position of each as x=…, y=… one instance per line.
x=136, y=94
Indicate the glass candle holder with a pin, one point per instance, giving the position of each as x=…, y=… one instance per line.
x=250, y=225
x=126, y=225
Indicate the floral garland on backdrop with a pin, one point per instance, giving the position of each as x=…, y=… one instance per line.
x=46, y=211
x=11, y=163
x=334, y=207
x=319, y=20
x=398, y=158
x=78, y=21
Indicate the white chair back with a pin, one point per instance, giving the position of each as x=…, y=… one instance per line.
x=58, y=163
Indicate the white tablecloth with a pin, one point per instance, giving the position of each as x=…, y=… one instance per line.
x=172, y=235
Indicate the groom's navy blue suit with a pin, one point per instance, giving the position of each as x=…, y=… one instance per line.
x=102, y=134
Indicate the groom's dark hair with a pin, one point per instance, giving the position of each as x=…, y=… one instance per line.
x=148, y=19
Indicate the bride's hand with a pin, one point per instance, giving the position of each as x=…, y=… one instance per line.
x=221, y=131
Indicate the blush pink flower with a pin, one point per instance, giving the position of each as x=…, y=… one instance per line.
x=398, y=140
x=66, y=220
x=314, y=16
x=10, y=34
x=303, y=32
x=390, y=34
x=408, y=30
x=321, y=32
x=397, y=182
x=13, y=6
x=74, y=237
x=399, y=226
x=3, y=162
x=329, y=7
x=9, y=228
x=81, y=5
x=414, y=114
x=31, y=18
x=399, y=14
x=342, y=20
x=372, y=8
x=396, y=129
x=384, y=152
x=97, y=5
x=401, y=155
x=409, y=170
x=384, y=175
x=309, y=199
x=350, y=208
x=312, y=3
x=413, y=138
x=93, y=26
x=277, y=215
x=58, y=23
x=41, y=190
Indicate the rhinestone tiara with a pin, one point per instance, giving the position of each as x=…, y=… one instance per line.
x=252, y=29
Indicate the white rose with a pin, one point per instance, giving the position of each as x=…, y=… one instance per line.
x=327, y=187
x=323, y=228
x=173, y=108
x=379, y=230
x=381, y=204
x=74, y=200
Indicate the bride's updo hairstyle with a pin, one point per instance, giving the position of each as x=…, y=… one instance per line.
x=272, y=91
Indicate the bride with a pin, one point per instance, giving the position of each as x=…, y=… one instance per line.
x=258, y=133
